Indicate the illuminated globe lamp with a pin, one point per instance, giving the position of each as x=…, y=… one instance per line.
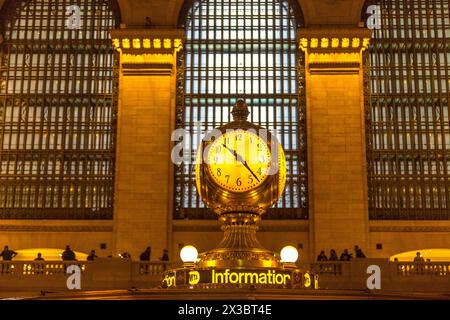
x=189, y=255
x=289, y=256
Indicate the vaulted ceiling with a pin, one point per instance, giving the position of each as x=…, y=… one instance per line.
x=165, y=13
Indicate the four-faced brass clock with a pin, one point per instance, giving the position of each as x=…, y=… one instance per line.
x=242, y=169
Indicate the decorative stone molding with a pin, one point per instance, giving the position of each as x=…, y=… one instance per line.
x=409, y=228
x=147, y=51
x=36, y=228
x=334, y=50
x=266, y=226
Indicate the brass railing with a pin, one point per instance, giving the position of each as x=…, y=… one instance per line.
x=115, y=273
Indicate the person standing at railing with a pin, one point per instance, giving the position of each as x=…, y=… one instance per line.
x=419, y=262
x=333, y=255
x=345, y=256
x=322, y=256
x=145, y=258
x=39, y=257
x=39, y=265
x=165, y=256
x=7, y=255
x=68, y=254
x=92, y=256
x=359, y=253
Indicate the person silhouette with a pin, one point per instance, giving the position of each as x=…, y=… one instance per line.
x=345, y=256
x=8, y=254
x=68, y=254
x=39, y=257
x=322, y=256
x=92, y=256
x=333, y=255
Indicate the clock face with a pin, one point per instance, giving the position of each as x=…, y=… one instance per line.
x=239, y=161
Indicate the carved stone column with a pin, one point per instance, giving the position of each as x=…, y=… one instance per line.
x=336, y=137
x=143, y=196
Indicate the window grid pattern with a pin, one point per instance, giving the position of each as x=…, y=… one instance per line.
x=243, y=49
x=408, y=112
x=58, y=104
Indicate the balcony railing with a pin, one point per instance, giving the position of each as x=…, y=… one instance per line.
x=112, y=273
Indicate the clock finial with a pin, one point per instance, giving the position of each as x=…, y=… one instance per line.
x=240, y=111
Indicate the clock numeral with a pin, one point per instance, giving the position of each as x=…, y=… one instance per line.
x=219, y=172
x=218, y=149
x=260, y=171
x=228, y=178
x=259, y=147
x=239, y=137
x=251, y=179
x=238, y=182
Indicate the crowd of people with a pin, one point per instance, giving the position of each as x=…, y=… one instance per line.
x=69, y=255
x=345, y=256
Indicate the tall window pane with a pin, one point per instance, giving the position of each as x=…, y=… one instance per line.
x=58, y=104
x=408, y=131
x=243, y=49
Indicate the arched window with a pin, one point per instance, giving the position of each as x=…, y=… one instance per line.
x=243, y=49
x=409, y=126
x=58, y=104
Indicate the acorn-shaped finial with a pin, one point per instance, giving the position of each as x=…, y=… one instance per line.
x=240, y=111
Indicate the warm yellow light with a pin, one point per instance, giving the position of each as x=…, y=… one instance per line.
x=345, y=42
x=304, y=43
x=335, y=42
x=289, y=254
x=49, y=254
x=146, y=43
x=314, y=43
x=356, y=42
x=137, y=43
x=188, y=254
x=157, y=43
x=177, y=43
x=156, y=58
x=366, y=42
x=222, y=162
x=167, y=43
x=116, y=43
x=435, y=255
x=126, y=43
x=324, y=42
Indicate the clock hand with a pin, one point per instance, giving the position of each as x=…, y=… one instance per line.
x=241, y=160
x=232, y=151
x=248, y=168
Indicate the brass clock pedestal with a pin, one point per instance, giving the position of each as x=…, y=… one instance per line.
x=239, y=246
x=239, y=262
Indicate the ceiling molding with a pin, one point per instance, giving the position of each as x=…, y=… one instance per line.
x=36, y=228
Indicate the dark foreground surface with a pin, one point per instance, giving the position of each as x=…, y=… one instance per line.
x=260, y=294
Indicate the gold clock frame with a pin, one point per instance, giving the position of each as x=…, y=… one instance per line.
x=256, y=201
